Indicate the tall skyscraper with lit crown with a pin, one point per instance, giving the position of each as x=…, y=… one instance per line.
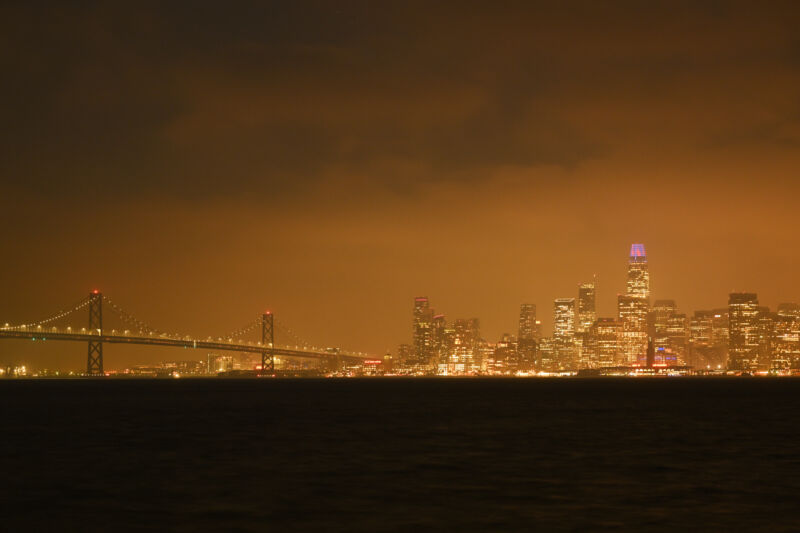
x=638, y=282
x=632, y=307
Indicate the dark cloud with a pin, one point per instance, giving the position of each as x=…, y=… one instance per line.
x=268, y=98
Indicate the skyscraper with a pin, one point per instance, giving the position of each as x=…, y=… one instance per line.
x=667, y=327
x=638, y=283
x=527, y=321
x=423, y=333
x=526, y=338
x=587, y=312
x=606, y=334
x=744, y=331
x=677, y=327
x=786, y=350
x=632, y=313
x=708, y=339
x=464, y=347
x=633, y=307
x=766, y=337
x=585, y=316
x=440, y=340
x=505, y=358
x=564, y=332
x=660, y=313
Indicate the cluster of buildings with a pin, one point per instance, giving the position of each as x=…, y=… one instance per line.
x=248, y=364
x=743, y=337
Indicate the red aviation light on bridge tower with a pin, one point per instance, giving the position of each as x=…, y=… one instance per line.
x=95, y=291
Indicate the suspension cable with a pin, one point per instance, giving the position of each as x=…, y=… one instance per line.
x=61, y=314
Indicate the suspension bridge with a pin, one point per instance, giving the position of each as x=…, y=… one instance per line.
x=137, y=332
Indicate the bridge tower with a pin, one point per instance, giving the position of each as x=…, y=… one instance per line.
x=268, y=342
x=94, y=362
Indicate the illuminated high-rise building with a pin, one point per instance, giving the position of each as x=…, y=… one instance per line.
x=440, y=339
x=638, y=283
x=527, y=321
x=405, y=355
x=766, y=337
x=585, y=316
x=423, y=333
x=564, y=332
x=789, y=310
x=677, y=327
x=606, y=334
x=708, y=339
x=658, y=321
x=464, y=356
x=786, y=337
x=743, y=321
x=668, y=328
x=632, y=314
x=633, y=307
x=526, y=338
x=546, y=358
x=505, y=359
x=587, y=311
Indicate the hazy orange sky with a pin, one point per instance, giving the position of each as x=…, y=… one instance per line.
x=330, y=161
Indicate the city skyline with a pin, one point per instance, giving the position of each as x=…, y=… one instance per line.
x=575, y=320
x=741, y=336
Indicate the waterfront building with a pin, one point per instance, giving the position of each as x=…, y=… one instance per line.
x=633, y=307
x=564, y=332
x=587, y=310
x=766, y=338
x=668, y=328
x=743, y=343
x=440, y=340
x=675, y=352
x=527, y=336
x=786, y=337
x=638, y=280
x=464, y=355
x=423, y=334
x=505, y=359
x=527, y=321
x=546, y=355
x=632, y=314
x=606, y=334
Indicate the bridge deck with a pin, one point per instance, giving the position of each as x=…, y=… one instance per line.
x=171, y=342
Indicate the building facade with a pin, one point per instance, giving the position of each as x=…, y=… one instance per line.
x=564, y=332
x=633, y=307
x=743, y=343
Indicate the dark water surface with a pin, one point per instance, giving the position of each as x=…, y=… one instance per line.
x=397, y=455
